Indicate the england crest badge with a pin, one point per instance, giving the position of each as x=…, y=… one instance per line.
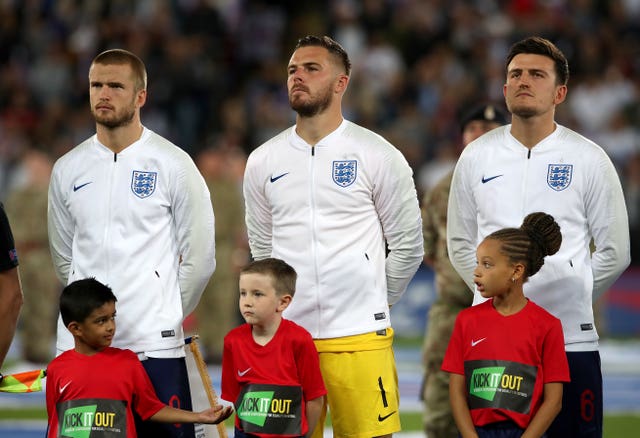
x=559, y=176
x=143, y=184
x=345, y=172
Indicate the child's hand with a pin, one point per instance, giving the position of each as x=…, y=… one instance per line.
x=215, y=415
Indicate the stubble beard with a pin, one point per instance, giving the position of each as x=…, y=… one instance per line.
x=311, y=107
x=524, y=112
x=118, y=121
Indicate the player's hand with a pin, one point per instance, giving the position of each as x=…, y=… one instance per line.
x=216, y=414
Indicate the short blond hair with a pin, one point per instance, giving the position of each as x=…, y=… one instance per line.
x=120, y=57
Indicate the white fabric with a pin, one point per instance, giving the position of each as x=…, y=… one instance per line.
x=98, y=227
x=590, y=206
x=332, y=234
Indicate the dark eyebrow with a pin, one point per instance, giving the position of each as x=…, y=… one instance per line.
x=305, y=64
x=530, y=70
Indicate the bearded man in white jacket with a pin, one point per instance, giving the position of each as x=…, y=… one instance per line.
x=131, y=209
x=535, y=164
x=331, y=198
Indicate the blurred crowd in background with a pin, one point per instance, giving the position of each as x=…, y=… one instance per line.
x=217, y=74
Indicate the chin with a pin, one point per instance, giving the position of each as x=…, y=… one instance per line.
x=524, y=112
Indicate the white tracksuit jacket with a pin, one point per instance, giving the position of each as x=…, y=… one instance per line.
x=126, y=220
x=498, y=181
x=327, y=211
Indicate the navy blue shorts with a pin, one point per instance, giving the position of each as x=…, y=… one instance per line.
x=503, y=429
x=170, y=380
x=240, y=434
x=581, y=415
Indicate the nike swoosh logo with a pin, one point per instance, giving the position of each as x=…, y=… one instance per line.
x=64, y=387
x=242, y=373
x=76, y=188
x=381, y=418
x=474, y=343
x=276, y=178
x=486, y=180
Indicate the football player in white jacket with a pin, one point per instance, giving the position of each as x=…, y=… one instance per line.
x=326, y=196
x=535, y=164
x=129, y=208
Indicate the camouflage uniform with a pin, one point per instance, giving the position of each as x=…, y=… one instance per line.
x=27, y=211
x=217, y=312
x=453, y=295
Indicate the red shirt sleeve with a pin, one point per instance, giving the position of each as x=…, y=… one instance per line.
x=554, y=358
x=51, y=392
x=145, y=400
x=308, y=364
x=230, y=388
x=453, y=359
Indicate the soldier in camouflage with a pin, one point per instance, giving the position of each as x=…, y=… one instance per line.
x=217, y=312
x=26, y=207
x=453, y=295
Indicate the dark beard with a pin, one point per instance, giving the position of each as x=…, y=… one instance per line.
x=310, y=109
x=524, y=113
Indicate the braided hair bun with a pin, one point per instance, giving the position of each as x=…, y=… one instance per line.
x=546, y=238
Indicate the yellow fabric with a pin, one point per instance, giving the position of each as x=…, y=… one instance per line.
x=30, y=381
x=364, y=342
x=362, y=385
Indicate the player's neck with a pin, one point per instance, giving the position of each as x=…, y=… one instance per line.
x=118, y=139
x=313, y=129
x=531, y=131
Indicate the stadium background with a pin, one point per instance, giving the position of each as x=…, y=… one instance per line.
x=217, y=71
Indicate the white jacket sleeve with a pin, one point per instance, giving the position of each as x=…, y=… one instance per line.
x=396, y=202
x=462, y=223
x=195, y=228
x=60, y=227
x=257, y=213
x=609, y=226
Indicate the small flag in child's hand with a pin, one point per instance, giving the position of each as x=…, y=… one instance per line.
x=29, y=381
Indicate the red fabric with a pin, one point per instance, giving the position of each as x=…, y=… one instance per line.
x=290, y=358
x=112, y=374
x=532, y=336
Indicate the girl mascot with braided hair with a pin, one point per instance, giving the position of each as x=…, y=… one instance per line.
x=506, y=355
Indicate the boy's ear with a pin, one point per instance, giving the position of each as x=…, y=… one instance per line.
x=74, y=327
x=284, y=302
